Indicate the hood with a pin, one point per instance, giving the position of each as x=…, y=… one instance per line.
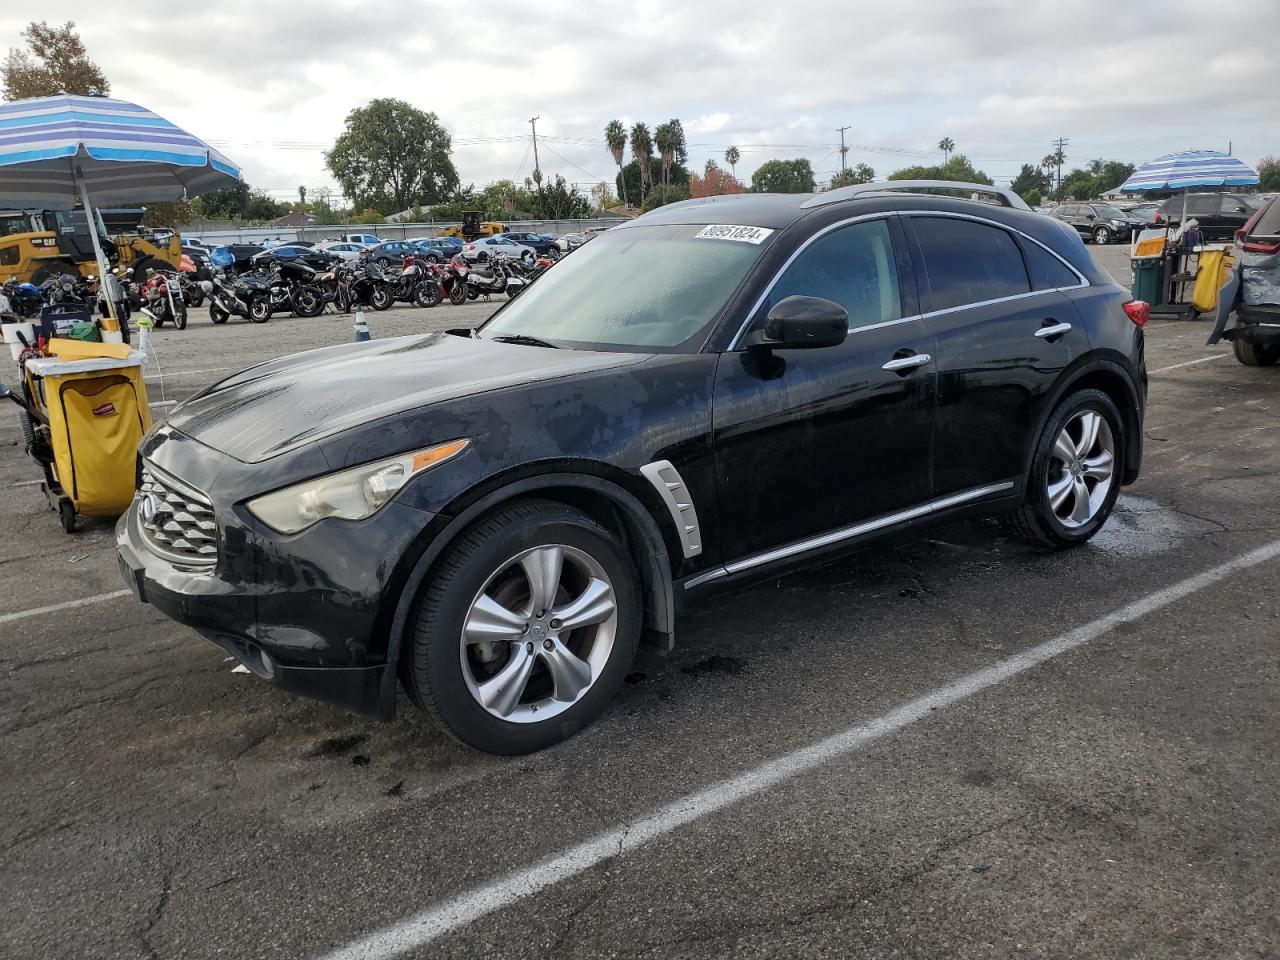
x=277, y=406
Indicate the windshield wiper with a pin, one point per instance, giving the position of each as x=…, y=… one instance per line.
x=526, y=340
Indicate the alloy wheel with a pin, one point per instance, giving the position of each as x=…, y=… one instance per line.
x=1081, y=469
x=539, y=633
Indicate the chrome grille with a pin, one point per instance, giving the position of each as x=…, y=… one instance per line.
x=176, y=520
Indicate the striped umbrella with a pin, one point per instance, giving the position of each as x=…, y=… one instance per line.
x=54, y=150
x=1191, y=168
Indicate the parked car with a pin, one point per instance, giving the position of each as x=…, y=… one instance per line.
x=235, y=257
x=1218, y=215
x=1146, y=212
x=1255, y=291
x=349, y=252
x=391, y=251
x=436, y=249
x=1100, y=222
x=200, y=257
x=482, y=249
x=316, y=259
x=542, y=244
x=367, y=239
x=706, y=394
x=570, y=241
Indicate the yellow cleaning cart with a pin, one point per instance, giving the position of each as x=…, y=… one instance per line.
x=87, y=416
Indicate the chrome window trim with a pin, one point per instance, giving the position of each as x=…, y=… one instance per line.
x=735, y=343
x=848, y=533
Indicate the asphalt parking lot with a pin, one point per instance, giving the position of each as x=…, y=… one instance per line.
x=1018, y=754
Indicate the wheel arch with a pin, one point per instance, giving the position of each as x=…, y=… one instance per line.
x=637, y=522
x=1112, y=378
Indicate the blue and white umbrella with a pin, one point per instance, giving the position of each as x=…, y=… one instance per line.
x=55, y=150
x=1191, y=168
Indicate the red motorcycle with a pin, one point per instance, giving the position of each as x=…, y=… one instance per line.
x=452, y=280
x=161, y=295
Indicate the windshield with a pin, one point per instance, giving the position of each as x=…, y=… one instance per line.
x=1112, y=213
x=640, y=287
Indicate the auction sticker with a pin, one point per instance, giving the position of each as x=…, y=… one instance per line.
x=723, y=231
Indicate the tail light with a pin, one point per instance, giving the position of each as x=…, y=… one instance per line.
x=1258, y=246
x=1157, y=218
x=1139, y=311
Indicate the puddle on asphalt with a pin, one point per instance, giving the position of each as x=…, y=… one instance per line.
x=1139, y=528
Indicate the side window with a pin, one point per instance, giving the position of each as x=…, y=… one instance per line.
x=968, y=262
x=1199, y=206
x=853, y=266
x=1047, y=271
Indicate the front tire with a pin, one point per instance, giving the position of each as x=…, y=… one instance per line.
x=458, y=293
x=216, y=313
x=1256, y=354
x=260, y=309
x=1102, y=236
x=180, y=316
x=1075, y=473
x=381, y=298
x=527, y=629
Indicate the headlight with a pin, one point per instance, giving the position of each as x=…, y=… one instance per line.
x=352, y=494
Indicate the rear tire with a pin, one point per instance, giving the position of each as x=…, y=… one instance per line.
x=484, y=572
x=55, y=268
x=1255, y=354
x=1102, y=236
x=216, y=313
x=309, y=302
x=1063, y=475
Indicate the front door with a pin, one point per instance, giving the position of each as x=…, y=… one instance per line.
x=809, y=441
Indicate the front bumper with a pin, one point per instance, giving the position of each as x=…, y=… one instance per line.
x=310, y=612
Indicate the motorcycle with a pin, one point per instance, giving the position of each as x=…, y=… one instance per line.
x=368, y=287
x=194, y=291
x=161, y=295
x=25, y=299
x=496, y=276
x=452, y=280
x=293, y=289
x=415, y=283
x=248, y=295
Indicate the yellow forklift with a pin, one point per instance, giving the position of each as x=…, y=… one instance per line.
x=38, y=244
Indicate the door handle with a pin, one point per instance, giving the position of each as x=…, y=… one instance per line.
x=1054, y=330
x=898, y=364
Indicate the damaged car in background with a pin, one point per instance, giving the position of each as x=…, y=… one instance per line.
x=1253, y=291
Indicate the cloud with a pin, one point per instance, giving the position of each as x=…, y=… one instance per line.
x=272, y=83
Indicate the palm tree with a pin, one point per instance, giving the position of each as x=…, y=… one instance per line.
x=615, y=137
x=946, y=145
x=666, y=139
x=642, y=153
x=731, y=157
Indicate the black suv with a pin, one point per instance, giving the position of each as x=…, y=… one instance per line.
x=722, y=389
x=1100, y=222
x=1219, y=215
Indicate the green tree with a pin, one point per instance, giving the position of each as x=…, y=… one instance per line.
x=731, y=157
x=642, y=155
x=783, y=176
x=236, y=202
x=630, y=176
x=957, y=168
x=676, y=193
x=666, y=138
x=392, y=155
x=505, y=200
x=56, y=62
x=681, y=152
x=1269, y=174
x=1030, y=178
x=1032, y=198
x=946, y=145
x=615, y=138
x=558, y=200
x=862, y=173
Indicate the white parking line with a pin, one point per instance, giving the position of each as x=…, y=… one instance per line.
x=65, y=605
x=456, y=912
x=1188, y=363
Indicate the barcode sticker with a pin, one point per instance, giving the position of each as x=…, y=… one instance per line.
x=722, y=231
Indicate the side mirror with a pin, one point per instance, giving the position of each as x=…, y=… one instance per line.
x=799, y=322
x=1091, y=216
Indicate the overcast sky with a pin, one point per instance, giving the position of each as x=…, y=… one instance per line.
x=270, y=83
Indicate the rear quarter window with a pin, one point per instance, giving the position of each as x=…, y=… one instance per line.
x=1046, y=271
x=1268, y=224
x=968, y=262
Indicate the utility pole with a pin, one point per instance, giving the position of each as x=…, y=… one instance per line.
x=537, y=171
x=1058, y=146
x=844, y=167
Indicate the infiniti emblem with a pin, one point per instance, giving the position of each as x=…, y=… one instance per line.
x=149, y=507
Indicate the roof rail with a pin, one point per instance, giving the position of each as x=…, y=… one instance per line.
x=1007, y=197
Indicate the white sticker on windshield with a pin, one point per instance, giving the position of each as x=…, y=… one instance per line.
x=728, y=231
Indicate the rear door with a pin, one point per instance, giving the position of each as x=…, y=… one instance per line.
x=1001, y=341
